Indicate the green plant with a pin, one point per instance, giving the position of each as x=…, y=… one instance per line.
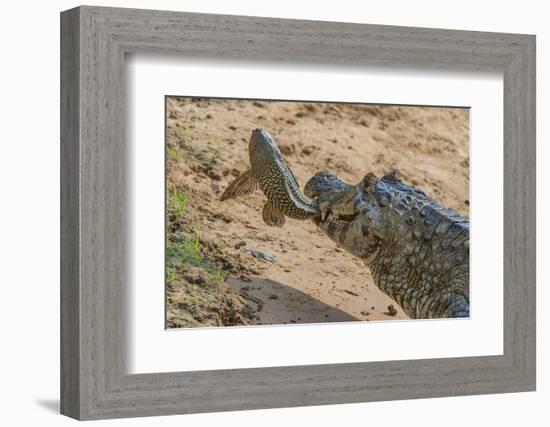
x=177, y=201
x=171, y=275
x=183, y=248
x=197, y=257
x=219, y=275
x=172, y=153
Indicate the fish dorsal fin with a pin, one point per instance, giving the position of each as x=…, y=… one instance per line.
x=242, y=186
x=272, y=215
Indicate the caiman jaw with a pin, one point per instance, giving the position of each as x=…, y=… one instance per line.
x=327, y=214
x=341, y=217
x=324, y=186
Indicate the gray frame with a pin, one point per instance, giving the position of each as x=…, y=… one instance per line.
x=94, y=383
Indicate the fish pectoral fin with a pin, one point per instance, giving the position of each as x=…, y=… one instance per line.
x=242, y=186
x=272, y=215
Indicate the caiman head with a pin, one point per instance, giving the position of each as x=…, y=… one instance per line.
x=417, y=250
x=348, y=216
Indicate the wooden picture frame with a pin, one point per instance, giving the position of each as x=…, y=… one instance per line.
x=94, y=382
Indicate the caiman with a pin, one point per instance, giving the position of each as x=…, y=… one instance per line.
x=417, y=250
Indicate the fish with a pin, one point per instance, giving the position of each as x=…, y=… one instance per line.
x=269, y=172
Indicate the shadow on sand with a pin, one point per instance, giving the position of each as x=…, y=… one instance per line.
x=278, y=304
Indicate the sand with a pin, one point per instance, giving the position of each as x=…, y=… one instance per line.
x=311, y=279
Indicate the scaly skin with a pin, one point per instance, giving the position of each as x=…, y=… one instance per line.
x=269, y=170
x=276, y=179
x=418, y=251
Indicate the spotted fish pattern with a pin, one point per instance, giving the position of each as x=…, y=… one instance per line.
x=269, y=171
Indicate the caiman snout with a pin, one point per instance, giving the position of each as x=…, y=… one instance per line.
x=327, y=188
x=323, y=182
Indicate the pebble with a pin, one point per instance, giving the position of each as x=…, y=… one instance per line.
x=240, y=244
x=194, y=277
x=215, y=187
x=263, y=256
x=213, y=174
x=308, y=149
x=391, y=310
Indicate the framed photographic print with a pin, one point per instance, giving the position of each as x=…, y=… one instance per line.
x=262, y=213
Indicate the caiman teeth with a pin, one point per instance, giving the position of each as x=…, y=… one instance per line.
x=346, y=217
x=328, y=215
